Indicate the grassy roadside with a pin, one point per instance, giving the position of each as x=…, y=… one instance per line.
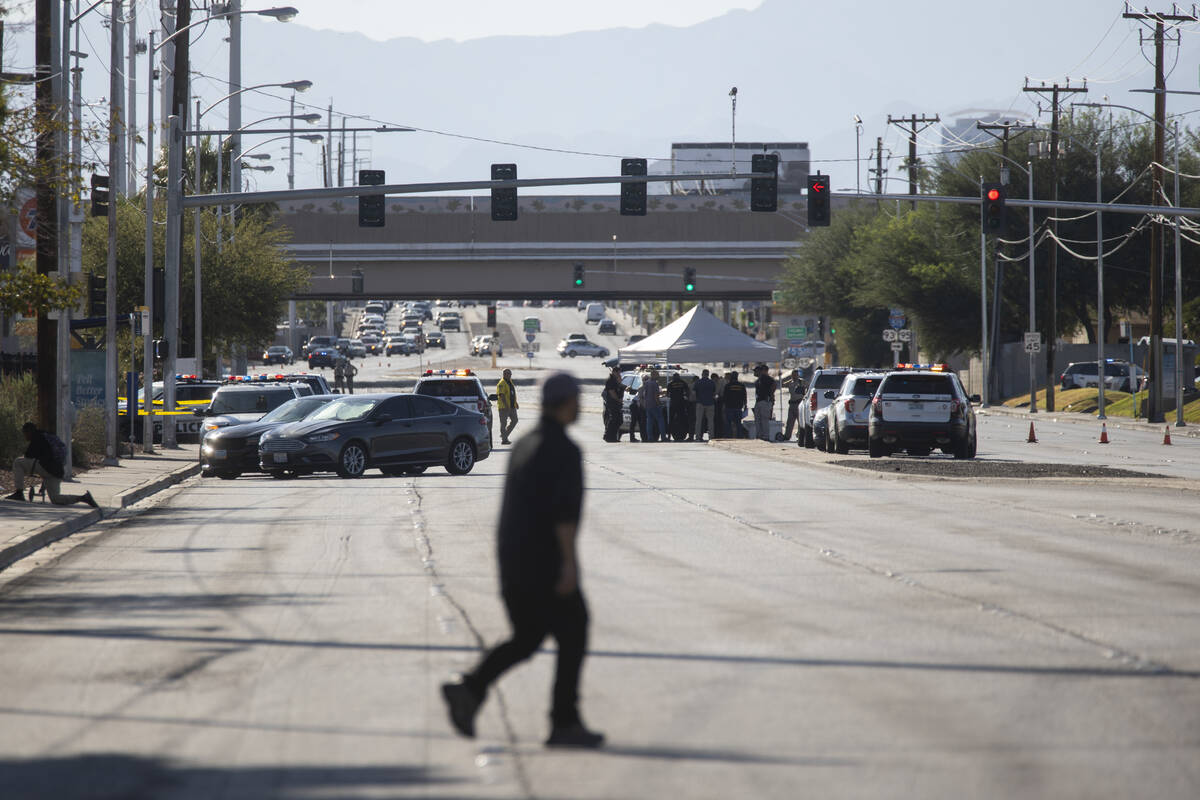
x=1087, y=401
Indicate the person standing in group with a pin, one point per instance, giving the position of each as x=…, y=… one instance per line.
x=735, y=407
x=719, y=382
x=614, y=401
x=679, y=398
x=764, y=402
x=506, y=405
x=794, y=383
x=650, y=399
x=539, y=570
x=706, y=394
x=41, y=459
x=637, y=419
x=339, y=374
x=351, y=371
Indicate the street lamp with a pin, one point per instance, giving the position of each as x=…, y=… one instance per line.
x=858, y=128
x=1156, y=346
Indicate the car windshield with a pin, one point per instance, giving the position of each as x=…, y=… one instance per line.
x=1084, y=369
x=918, y=384
x=276, y=349
x=295, y=410
x=447, y=389
x=829, y=380
x=1119, y=370
x=346, y=409
x=248, y=402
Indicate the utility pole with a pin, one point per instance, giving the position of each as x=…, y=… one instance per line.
x=116, y=169
x=1053, y=93
x=1157, y=21
x=174, y=245
x=878, y=171
x=1006, y=128
x=47, y=207
x=233, y=8
x=913, y=121
x=131, y=102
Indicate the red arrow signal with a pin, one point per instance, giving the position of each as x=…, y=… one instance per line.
x=818, y=187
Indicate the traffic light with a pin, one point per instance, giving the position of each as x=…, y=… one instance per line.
x=160, y=349
x=633, y=195
x=504, y=201
x=764, y=190
x=370, y=206
x=97, y=295
x=993, y=210
x=356, y=280
x=818, y=200
x=689, y=280
x=99, y=195
x=491, y=317
x=821, y=329
x=751, y=319
x=578, y=281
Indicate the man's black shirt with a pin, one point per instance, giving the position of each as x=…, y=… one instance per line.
x=544, y=487
x=764, y=389
x=39, y=450
x=734, y=395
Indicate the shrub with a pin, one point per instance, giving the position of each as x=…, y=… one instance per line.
x=18, y=405
x=87, y=435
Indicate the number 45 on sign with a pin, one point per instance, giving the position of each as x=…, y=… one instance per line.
x=1033, y=342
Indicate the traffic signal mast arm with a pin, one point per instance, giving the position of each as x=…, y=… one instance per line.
x=284, y=195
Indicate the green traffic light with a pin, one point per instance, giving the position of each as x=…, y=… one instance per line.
x=690, y=287
x=579, y=281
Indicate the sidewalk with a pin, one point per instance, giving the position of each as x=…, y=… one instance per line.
x=28, y=527
x=1116, y=423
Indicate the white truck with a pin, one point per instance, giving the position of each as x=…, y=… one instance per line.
x=595, y=312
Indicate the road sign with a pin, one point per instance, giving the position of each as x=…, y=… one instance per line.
x=529, y=354
x=532, y=325
x=889, y=335
x=1033, y=347
x=1033, y=337
x=897, y=318
x=897, y=347
x=529, y=337
x=796, y=332
x=905, y=334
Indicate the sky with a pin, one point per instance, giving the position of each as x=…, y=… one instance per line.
x=472, y=19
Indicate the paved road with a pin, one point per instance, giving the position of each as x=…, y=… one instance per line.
x=761, y=629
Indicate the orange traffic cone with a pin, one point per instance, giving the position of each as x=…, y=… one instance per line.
x=1032, y=436
x=1167, y=435
x=1103, y=433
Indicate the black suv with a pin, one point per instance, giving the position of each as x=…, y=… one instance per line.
x=919, y=409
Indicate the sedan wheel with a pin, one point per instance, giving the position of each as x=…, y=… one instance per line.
x=462, y=457
x=572, y=353
x=352, y=463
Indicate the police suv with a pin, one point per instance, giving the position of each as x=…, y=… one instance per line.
x=460, y=387
x=920, y=407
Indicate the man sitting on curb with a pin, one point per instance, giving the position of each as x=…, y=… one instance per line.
x=41, y=460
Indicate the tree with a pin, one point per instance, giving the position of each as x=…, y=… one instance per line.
x=245, y=280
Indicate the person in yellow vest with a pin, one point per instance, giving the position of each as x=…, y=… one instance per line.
x=506, y=404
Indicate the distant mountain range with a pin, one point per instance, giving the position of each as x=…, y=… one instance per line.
x=803, y=70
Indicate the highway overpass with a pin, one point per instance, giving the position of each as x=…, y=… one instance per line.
x=450, y=247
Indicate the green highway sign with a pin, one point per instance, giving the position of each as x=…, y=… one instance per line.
x=796, y=333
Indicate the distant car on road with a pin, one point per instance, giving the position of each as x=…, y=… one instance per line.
x=607, y=328
x=577, y=347
x=322, y=357
x=278, y=354
x=435, y=339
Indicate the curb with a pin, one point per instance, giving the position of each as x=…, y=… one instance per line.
x=1192, y=431
x=54, y=531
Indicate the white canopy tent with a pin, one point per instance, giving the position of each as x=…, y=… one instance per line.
x=699, y=338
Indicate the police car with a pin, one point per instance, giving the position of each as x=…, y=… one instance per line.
x=191, y=394
x=919, y=408
x=246, y=399
x=460, y=387
x=850, y=410
x=821, y=391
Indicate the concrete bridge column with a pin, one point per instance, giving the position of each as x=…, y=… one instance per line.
x=292, y=326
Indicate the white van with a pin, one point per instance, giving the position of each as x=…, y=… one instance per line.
x=595, y=312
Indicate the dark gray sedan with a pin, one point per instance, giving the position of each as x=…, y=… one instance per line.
x=228, y=452
x=398, y=434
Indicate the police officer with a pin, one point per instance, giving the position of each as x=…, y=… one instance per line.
x=539, y=570
x=351, y=371
x=614, y=396
x=735, y=406
x=339, y=374
x=764, y=402
x=795, y=385
x=506, y=405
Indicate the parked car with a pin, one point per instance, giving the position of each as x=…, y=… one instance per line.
x=461, y=387
x=228, y=452
x=821, y=391
x=921, y=408
x=278, y=354
x=397, y=434
x=235, y=403
x=850, y=411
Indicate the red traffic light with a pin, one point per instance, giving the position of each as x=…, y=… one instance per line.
x=993, y=195
x=818, y=187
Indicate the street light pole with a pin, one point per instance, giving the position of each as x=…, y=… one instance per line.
x=115, y=139
x=197, y=324
x=148, y=286
x=1100, y=327
x=292, y=142
x=1032, y=295
x=1179, y=423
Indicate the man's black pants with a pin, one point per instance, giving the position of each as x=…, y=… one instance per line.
x=534, y=616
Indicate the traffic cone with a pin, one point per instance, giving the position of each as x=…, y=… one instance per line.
x=1167, y=435
x=1103, y=433
x=1032, y=436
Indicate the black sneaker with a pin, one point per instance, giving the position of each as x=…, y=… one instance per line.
x=462, y=703
x=17, y=495
x=575, y=736
x=91, y=501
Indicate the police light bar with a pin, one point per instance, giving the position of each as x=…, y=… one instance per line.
x=929, y=367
